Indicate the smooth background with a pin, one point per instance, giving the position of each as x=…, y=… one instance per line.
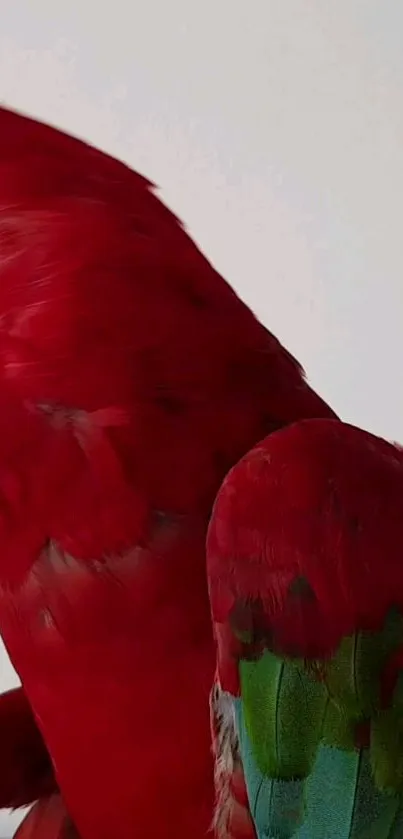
x=275, y=130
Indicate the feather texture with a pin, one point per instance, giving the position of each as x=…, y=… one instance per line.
x=131, y=379
x=26, y=772
x=47, y=819
x=232, y=819
x=283, y=711
x=304, y=562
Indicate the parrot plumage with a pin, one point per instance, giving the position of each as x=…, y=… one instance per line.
x=26, y=771
x=132, y=378
x=304, y=559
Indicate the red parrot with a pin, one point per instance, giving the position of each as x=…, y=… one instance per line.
x=304, y=561
x=132, y=378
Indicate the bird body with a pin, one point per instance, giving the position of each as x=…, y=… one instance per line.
x=131, y=379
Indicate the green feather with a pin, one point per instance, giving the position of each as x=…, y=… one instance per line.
x=352, y=675
x=284, y=711
x=277, y=806
x=338, y=728
x=296, y=721
x=387, y=743
x=387, y=749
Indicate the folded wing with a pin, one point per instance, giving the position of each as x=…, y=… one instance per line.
x=306, y=588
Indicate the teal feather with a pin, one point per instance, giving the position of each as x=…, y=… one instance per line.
x=343, y=801
x=339, y=800
x=277, y=806
x=397, y=827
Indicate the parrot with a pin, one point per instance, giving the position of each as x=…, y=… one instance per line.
x=305, y=572
x=132, y=379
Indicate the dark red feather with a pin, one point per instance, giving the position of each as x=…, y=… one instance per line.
x=131, y=379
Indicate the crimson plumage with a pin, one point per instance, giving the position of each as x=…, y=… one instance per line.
x=131, y=379
x=305, y=543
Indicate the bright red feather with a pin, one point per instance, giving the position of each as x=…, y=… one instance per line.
x=131, y=379
x=305, y=543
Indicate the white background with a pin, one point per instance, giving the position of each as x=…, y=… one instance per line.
x=275, y=130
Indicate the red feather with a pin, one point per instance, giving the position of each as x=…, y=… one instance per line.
x=305, y=543
x=26, y=772
x=48, y=819
x=131, y=379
